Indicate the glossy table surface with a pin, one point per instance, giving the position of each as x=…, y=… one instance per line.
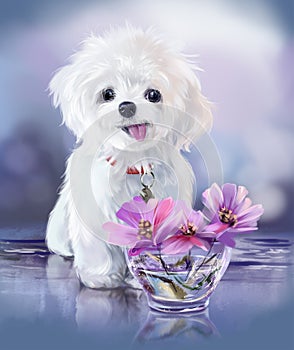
x=43, y=305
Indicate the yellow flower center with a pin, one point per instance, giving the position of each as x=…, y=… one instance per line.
x=227, y=217
x=145, y=229
x=189, y=230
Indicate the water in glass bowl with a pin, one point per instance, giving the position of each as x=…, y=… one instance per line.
x=182, y=282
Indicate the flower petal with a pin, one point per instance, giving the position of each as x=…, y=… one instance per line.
x=250, y=214
x=132, y=206
x=201, y=243
x=213, y=198
x=176, y=245
x=162, y=211
x=147, y=211
x=120, y=234
x=228, y=239
x=138, y=199
x=245, y=204
x=243, y=229
x=169, y=228
x=246, y=223
x=129, y=217
x=140, y=246
x=197, y=218
x=229, y=194
x=137, y=207
x=135, y=251
x=206, y=234
x=242, y=192
x=217, y=227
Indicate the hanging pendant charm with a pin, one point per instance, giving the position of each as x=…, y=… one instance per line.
x=146, y=192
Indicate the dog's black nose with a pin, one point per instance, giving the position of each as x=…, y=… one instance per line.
x=127, y=109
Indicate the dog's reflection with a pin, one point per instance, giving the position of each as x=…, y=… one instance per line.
x=194, y=326
x=92, y=309
x=120, y=308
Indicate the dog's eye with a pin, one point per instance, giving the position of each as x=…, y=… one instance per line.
x=152, y=95
x=108, y=94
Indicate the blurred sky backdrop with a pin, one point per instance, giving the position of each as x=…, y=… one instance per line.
x=246, y=49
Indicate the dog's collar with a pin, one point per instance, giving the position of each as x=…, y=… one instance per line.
x=130, y=170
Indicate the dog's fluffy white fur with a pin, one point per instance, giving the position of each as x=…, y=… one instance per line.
x=130, y=61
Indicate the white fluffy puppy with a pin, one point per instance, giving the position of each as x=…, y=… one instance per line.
x=143, y=101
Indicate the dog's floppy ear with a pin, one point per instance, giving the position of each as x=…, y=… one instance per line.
x=70, y=86
x=199, y=110
x=195, y=117
x=63, y=87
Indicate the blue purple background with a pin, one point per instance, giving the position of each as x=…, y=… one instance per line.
x=246, y=49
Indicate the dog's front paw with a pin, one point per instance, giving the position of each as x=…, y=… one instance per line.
x=92, y=279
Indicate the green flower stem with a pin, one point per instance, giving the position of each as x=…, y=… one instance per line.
x=200, y=284
x=165, y=268
x=187, y=260
x=202, y=263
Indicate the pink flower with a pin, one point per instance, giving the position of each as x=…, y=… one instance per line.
x=230, y=211
x=192, y=232
x=146, y=223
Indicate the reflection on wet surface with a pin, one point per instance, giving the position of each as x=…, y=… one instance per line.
x=262, y=259
x=35, y=284
x=18, y=248
x=158, y=326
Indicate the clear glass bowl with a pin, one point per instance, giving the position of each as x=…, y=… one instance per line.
x=182, y=282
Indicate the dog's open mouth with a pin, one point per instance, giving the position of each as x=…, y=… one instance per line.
x=137, y=131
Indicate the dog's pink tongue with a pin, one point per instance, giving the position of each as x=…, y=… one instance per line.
x=138, y=131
